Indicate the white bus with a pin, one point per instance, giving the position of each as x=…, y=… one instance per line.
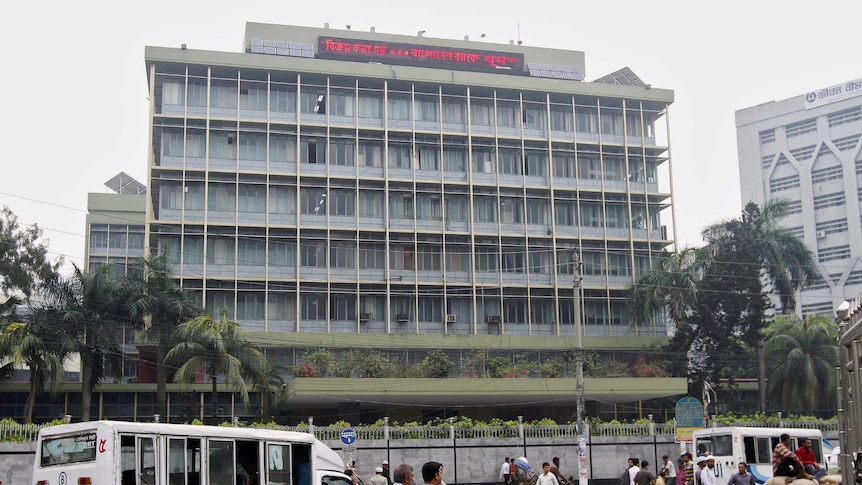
x=731, y=445
x=124, y=453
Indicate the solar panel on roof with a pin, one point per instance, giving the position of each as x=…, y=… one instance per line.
x=256, y=42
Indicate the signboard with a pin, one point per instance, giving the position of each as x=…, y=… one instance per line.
x=688, y=417
x=348, y=436
x=833, y=94
x=419, y=55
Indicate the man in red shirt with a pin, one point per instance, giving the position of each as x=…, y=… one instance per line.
x=806, y=456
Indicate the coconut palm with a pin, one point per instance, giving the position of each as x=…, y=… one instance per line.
x=88, y=306
x=762, y=257
x=217, y=348
x=671, y=286
x=806, y=354
x=159, y=306
x=39, y=347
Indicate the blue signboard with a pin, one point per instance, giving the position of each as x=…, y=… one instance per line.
x=348, y=436
x=689, y=417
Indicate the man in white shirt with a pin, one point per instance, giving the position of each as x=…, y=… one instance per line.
x=635, y=468
x=669, y=469
x=707, y=475
x=547, y=478
x=504, y=471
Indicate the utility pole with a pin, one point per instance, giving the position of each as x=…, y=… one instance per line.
x=579, y=369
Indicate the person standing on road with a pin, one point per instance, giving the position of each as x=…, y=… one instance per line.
x=505, y=469
x=378, y=478
x=555, y=469
x=386, y=472
x=689, y=470
x=644, y=476
x=403, y=475
x=707, y=475
x=432, y=473
x=741, y=477
x=669, y=470
x=633, y=470
x=547, y=478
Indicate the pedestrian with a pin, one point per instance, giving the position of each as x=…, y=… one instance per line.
x=378, y=478
x=432, y=473
x=625, y=479
x=644, y=476
x=669, y=469
x=741, y=477
x=386, y=473
x=547, y=478
x=505, y=469
x=680, y=463
x=403, y=475
x=555, y=469
x=689, y=469
x=633, y=470
x=701, y=465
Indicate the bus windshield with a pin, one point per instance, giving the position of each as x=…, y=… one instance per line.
x=69, y=449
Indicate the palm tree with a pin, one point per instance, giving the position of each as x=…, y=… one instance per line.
x=88, y=305
x=159, y=306
x=217, y=348
x=38, y=347
x=671, y=286
x=760, y=254
x=806, y=354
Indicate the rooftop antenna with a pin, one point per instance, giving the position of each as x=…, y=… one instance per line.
x=519, y=34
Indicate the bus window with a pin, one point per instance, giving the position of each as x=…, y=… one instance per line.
x=221, y=464
x=764, y=451
x=750, y=449
x=69, y=449
x=127, y=460
x=247, y=460
x=184, y=461
x=278, y=463
x=329, y=480
x=302, y=464
x=703, y=444
x=722, y=445
x=147, y=460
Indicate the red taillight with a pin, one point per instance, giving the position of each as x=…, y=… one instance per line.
x=42, y=482
x=84, y=481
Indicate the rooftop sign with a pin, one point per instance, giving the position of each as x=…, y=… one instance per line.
x=833, y=94
x=419, y=55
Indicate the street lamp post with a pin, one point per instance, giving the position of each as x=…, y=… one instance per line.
x=579, y=371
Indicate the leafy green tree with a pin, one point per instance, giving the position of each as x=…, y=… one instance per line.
x=158, y=306
x=87, y=304
x=217, y=348
x=24, y=261
x=762, y=258
x=39, y=347
x=437, y=364
x=804, y=354
x=672, y=286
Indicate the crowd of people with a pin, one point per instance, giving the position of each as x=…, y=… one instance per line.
x=432, y=474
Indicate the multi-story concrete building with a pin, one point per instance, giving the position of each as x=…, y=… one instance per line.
x=806, y=149
x=399, y=194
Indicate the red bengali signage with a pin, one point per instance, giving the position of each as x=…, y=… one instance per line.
x=418, y=55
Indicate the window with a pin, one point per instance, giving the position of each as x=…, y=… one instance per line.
x=458, y=258
x=370, y=154
x=508, y=115
x=429, y=258
x=826, y=174
x=252, y=96
x=370, y=106
x=540, y=260
x=487, y=259
x=619, y=264
x=633, y=124
x=312, y=253
x=172, y=143
x=833, y=253
x=342, y=254
x=616, y=215
x=456, y=207
x=401, y=256
x=566, y=213
x=562, y=120
x=98, y=236
x=513, y=260
x=828, y=200
x=845, y=117
x=223, y=94
x=536, y=164
x=312, y=101
x=801, y=128
x=171, y=196
x=196, y=146
x=454, y=159
x=429, y=157
x=340, y=104
x=784, y=183
x=194, y=196
x=428, y=206
x=223, y=145
x=511, y=210
x=514, y=310
x=312, y=306
x=282, y=253
x=510, y=162
x=430, y=309
x=252, y=146
x=534, y=117
x=250, y=306
x=342, y=202
x=282, y=199
x=453, y=112
x=252, y=198
x=401, y=205
x=312, y=150
x=426, y=109
x=481, y=113
x=485, y=208
x=222, y=197
x=343, y=308
x=594, y=263
x=221, y=250
x=282, y=99
x=564, y=165
x=341, y=152
x=370, y=203
x=173, y=92
x=589, y=168
x=537, y=211
x=612, y=123
x=586, y=120
x=400, y=156
x=372, y=255
x=483, y=160
x=312, y=201
x=615, y=169
x=591, y=214
x=197, y=93
x=282, y=148
x=399, y=108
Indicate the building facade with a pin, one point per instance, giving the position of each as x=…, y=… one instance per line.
x=806, y=149
x=400, y=194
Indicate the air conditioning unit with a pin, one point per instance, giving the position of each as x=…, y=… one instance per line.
x=821, y=234
x=364, y=317
x=402, y=317
x=450, y=318
x=495, y=319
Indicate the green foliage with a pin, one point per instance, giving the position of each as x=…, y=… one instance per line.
x=24, y=262
x=598, y=365
x=437, y=364
x=320, y=359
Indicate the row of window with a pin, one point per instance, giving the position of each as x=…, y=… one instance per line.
x=421, y=156
x=404, y=107
x=429, y=206
x=346, y=254
x=114, y=236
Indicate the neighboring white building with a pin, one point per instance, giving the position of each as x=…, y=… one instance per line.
x=807, y=149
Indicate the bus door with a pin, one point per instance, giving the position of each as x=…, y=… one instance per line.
x=278, y=464
x=139, y=460
x=184, y=461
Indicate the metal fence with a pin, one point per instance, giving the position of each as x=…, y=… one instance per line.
x=28, y=432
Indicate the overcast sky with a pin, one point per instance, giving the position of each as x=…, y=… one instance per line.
x=74, y=103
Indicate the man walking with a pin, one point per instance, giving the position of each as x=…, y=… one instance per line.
x=432, y=473
x=644, y=476
x=741, y=477
x=504, y=471
x=669, y=469
x=707, y=475
x=378, y=478
x=547, y=478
